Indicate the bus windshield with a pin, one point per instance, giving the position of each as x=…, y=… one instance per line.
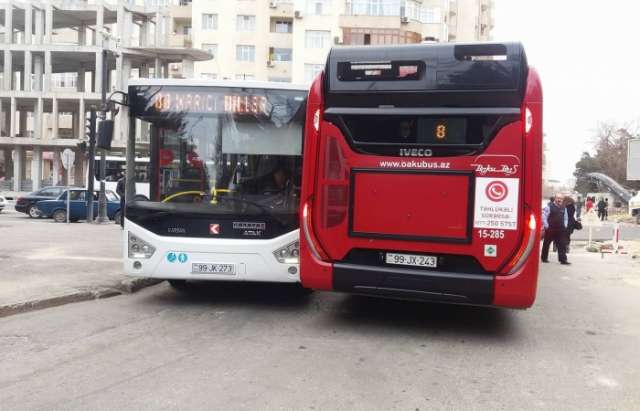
x=229, y=153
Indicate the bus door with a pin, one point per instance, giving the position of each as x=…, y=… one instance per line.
x=424, y=180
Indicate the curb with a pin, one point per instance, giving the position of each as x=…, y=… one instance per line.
x=126, y=286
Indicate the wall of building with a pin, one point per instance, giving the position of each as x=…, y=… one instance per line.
x=345, y=21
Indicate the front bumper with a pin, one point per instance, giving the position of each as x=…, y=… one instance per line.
x=174, y=256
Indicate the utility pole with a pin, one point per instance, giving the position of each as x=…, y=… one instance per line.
x=104, y=108
x=92, y=162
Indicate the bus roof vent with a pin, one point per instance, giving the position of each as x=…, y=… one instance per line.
x=423, y=75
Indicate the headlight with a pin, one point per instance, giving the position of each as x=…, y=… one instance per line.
x=289, y=254
x=139, y=248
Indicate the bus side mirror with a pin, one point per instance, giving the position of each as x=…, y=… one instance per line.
x=105, y=134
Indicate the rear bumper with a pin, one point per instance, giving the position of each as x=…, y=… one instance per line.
x=406, y=283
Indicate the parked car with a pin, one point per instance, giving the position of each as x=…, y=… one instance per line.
x=27, y=204
x=3, y=203
x=57, y=209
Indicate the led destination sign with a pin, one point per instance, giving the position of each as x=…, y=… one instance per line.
x=208, y=102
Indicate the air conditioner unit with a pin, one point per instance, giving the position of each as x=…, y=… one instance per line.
x=337, y=41
x=273, y=4
x=270, y=63
x=297, y=14
x=404, y=20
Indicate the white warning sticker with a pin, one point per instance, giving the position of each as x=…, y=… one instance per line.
x=496, y=203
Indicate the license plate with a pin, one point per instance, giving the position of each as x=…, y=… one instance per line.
x=413, y=260
x=213, y=268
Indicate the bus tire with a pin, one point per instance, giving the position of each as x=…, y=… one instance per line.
x=140, y=197
x=118, y=218
x=180, y=285
x=33, y=212
x=302, y=290
x=59, y=216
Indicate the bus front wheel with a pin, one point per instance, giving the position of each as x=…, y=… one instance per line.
x=180, y=285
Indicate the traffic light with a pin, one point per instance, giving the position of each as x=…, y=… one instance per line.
x=90, y=124
x=105, y=134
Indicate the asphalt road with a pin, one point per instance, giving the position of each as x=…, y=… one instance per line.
x=251, y=347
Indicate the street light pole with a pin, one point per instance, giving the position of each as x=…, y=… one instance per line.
x=102, y=199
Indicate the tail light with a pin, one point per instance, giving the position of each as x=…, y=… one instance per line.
x=335, y=185
x=529, y=239
x=314, y=245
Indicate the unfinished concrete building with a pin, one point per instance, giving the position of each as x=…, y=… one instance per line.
x=50, y=77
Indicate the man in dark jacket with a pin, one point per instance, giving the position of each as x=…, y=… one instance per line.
x=555, y=222
x=121, y=190
x=601, y=206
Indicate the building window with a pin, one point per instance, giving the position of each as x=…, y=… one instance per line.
x=366, y=36
x=311, y=71
x=244, y=76
x=245, y=23
x=245, y=53
x=280, y=79
x=209, y=76
x=211, y=48
x=278, y=54
x=317, y=39
x=186, y=30
x=430, y=15
x=282, y=26
x=374, y=7
x=209, y=22
x=65, y=80
x=318, y=7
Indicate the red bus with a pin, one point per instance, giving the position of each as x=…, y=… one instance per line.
x=422, y=174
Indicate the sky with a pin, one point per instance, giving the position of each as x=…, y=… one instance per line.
x=588, y=56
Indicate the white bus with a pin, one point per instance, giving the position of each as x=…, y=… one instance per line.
x=224, y=181
x=115, y=166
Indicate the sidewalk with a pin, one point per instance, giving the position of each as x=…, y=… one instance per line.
x=43, y=264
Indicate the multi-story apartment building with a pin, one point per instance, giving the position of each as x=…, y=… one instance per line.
x=288, y=40
x=51, y=75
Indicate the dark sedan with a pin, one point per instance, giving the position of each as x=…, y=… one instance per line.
x=27, y=204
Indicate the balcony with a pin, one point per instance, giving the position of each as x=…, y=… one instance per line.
x=281, y=8
x=181, y=11
x=180, y=40
x=381, y=22
x=280, y=40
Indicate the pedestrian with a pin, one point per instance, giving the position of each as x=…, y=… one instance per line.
x=606, y=208
x=572, y=223
x=555, y=221
x=121, y=189
x=601, y=206
x=578, y=207
x=589, y=204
